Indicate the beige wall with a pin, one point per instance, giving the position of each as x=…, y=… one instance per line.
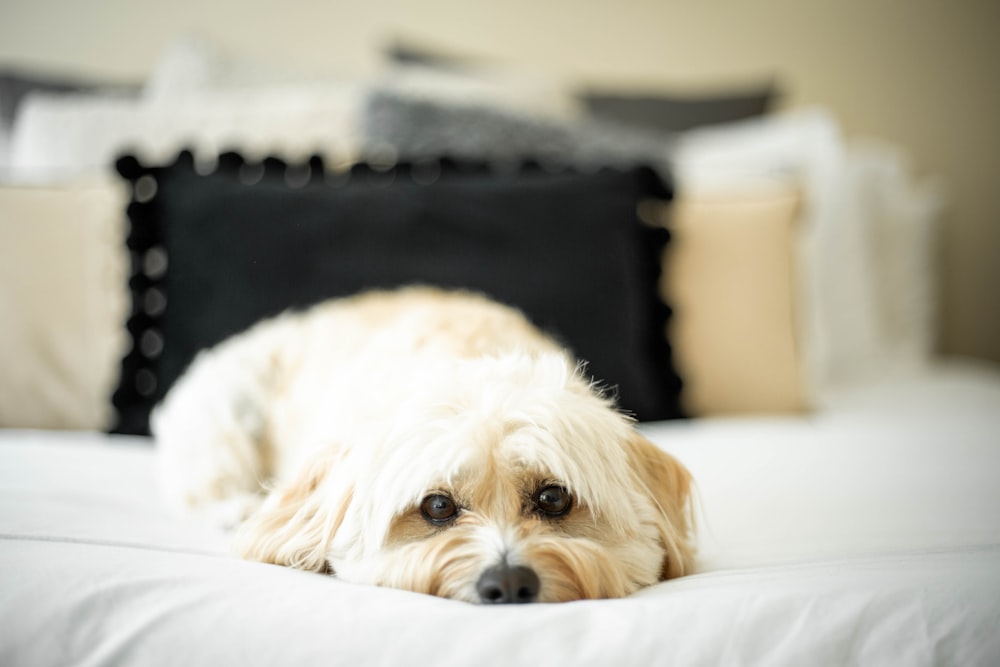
x=920, y=73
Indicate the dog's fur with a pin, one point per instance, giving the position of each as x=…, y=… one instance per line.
x=323, y=432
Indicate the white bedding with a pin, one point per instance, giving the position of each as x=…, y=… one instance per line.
x=867, y=533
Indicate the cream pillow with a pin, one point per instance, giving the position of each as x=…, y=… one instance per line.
x=730, y=276
x=63, y=304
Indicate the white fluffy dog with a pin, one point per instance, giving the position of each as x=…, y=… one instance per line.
x=424, y=440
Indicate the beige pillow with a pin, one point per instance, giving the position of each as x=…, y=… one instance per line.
x=63, y=304
x=730, y=277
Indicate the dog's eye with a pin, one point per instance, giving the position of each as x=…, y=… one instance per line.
x=553, y=500
x=438, y=508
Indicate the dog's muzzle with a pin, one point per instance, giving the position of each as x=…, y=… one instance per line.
x=504, y=584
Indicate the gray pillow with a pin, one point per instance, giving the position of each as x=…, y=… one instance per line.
x=421, y=128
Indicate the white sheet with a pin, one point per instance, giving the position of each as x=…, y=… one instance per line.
x=893, y=465
x=866, y=534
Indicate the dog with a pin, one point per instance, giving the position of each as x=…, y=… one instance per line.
x=427, y=440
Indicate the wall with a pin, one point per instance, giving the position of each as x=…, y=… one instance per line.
x=920, y=73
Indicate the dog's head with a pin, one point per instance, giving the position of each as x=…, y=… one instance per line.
x=496, y=480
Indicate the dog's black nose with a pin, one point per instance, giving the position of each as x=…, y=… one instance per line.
x=503, y=584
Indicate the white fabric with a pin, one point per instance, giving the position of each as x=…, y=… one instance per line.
x=896, y=466
x=193, y=65
x=866, y=534
x=898, y=216
x=868, y=288
x=198, y=97
x=81, y=133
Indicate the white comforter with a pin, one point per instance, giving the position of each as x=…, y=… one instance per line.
x=868, y=533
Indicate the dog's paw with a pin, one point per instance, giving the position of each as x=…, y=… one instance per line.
x=230, y=513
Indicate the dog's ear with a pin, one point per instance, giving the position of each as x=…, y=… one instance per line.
x=296, y=523
x=668, y=483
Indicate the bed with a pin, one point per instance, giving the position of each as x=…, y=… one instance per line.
x=846, y=477
x=866, y=533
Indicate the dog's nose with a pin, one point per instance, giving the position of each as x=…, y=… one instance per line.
x=503, y=584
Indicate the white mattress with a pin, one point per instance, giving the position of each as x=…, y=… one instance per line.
x=868, y=533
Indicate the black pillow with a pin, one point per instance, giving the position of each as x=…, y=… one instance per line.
x=405, y=52
x=677, y=113
x=215, y=252
x=661, y=111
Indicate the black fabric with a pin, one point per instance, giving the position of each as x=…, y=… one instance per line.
x=407, y=53
x=674, y=113
x=564, y=246
x=662, y=111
